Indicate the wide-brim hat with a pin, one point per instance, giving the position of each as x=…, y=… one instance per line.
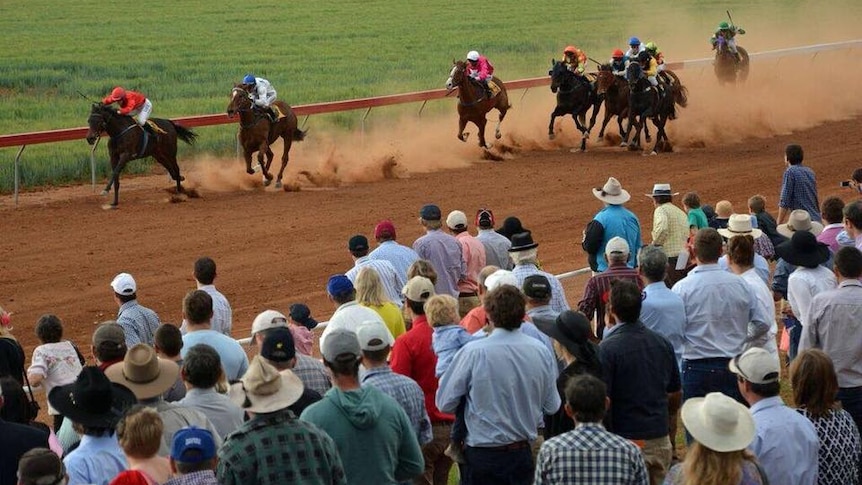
x=612, y=193
x=718, y=422
x=661, y=189
x=799, y=220
x=522, y=242
x=573, y=331
x=803, y=249
x=92, y=400
x=144, y=373
x=263, y=389
x=511, y=226
x=740, y=225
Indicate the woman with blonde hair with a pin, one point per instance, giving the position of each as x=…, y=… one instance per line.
x=722, y=430
x=140, y=435
x=11, y=353
x=370, y=293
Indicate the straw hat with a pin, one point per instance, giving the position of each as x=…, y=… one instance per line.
x=143, y=372
x=799, y=220
x=740, y=225
x=718, y=422
x=661, y=189
x=612, y=193
x=263, y=389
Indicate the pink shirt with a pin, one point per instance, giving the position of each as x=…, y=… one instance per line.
x=475, y=320
x=829, y=236
x=303, y=339
x=473, y=252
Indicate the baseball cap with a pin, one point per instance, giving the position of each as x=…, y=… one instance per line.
x=267, y=320
x=278, y=345
x=756, y=366
x=430, y=212
x=339, y=284
x=373, y=336
x=419, y=289
x=485, y=218
x=109, y=335
x=358, y=243
x=384, y=229
x=193, y=439
x=124, y=284
x=499, y=278
x=617, y=245
x=340, y=343
x=537, y=286
x=456, y=220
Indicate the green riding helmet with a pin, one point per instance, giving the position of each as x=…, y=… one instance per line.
x=723, y=26
x=650, y=46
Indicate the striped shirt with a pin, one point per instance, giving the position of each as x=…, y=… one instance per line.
x=392, y=282
x=496, y=248
x=444, y=253
x=670, y=229
x=598, y=288
x=222, y=320
x=408, y=394
x=401, y=257
x=139, y=323
x=558, y=295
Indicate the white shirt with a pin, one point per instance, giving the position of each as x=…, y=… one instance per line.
x=763, y=298
x=59, y=365
x=392, y=282
x=263, y=94
x=349, y=316
x=803, y=284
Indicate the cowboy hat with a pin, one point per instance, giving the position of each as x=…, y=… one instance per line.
x=740, y=225
x=661, y=189
x=522, y=242
x=511, y=226
x=92, y=400
x=799, y=220
x=718, y=422
x=143, y=372
x=803, y=249
x=263, y=389
x=612, y=193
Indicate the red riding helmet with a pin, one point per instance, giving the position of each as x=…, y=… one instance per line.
x=570, y=50
x=618, y=54
x=118, y=93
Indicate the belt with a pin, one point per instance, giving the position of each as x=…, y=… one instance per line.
x=518, y=445
x=467, y=295
x=710, y=360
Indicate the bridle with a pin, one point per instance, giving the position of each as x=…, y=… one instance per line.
x=248, y=108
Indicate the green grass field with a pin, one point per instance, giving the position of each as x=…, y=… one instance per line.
x=186, y=55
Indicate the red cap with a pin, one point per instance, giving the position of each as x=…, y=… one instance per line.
x=384, y=230
x=617, y=54
x=484, y=218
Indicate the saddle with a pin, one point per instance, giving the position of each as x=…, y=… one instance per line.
x=155, y=128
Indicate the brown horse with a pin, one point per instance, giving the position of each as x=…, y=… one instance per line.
x=615, y=91
x=257, y=132
x=129, y=142
x=474, y=103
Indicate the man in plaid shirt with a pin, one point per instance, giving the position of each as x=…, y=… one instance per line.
x=589, y=454
x=798, y=187
x=599, y=286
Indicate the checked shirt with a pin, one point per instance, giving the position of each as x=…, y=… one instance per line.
x=408, y=394
x=799, y=191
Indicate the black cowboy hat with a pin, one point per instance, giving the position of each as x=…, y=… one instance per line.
x=511, y=226
x=522, y=242
x=92, y=400
x=803, y=249
x=573, y=331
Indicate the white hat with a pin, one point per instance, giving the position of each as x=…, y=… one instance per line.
x=612, y=192
x=718, y=422
x=617, y=245
x=373, y=335
x=456, y=219
x=799, y=220
x=418, y=289
x=740, y=225
x=267, y=320
x=473, y=56
x=756, y=366
x=499, y=278
x=661, y=189
x=263, y=389
x=124, y=284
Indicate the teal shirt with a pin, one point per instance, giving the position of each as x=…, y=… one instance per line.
x=697, y=218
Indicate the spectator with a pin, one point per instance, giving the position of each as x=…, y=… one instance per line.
x=696, y=217
x=723, y=211
x=856, y=180
x=193, y=458
x=404, y=390
x=169, y=346
x=301, y=325
x=669, y=229
x=853, y=222
x=278, y=350
x=642, y=378
x=56, y=362
x=511, y=226
x=198, y=312
x=424, y=268
x=15, y=441
x=370, y=294
x=722, y=430
x=815, y=384
x=589, y=454
x=205, y=275
x=374, y=437
x=109, y=344
x=613, y=220
x=300, y=314
x=392, y=283
x=662, y=310
x=400, y=256
x=442, y=250
x=537, y=292
x=473, y=253
x=11, y=353
x=310, y=371
x=140, y=434
x=524, y=254
x=201, y=371
x=571, y=333
x=41, y=466
x=477, y=318
x=349, y=314
x=721, y=318
x=833, y=327
x=798, y=187
x=148, y=377
x=599, y=286
x=517, y=386
x=413, y=356
x=740, y=225
x=765, y=221
x=139, y=323
x=503, y=277
x=833, y=215
x=785, y=443
x=16, y=408
x=799, y=221
x=274, y=447
x=95, y=405
x=496, y=245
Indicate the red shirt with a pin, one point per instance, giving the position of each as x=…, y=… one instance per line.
x=131, y=102
x=413, y=357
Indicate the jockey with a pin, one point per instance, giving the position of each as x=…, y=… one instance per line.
x=576, y=61
x=262, y=93
x=634, y=49
x=650, y=70
x=132, y=103
x=618, y=63
x=480, y=69
x=656, y=54
x=728, y=32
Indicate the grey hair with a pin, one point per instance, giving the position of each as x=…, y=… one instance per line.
x=652, y=261
x=526, y=256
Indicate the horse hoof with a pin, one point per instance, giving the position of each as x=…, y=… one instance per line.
x=278, y=184
x=249, y=171
x=104, y=193
x=623, y=145
x=551, y=136
x=653, y=153
x=109, y=207
x=498, y=135
x=266, y=182
x=576, y=150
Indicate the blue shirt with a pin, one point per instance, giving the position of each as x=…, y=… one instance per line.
x=785, y=443
x=97, y=460
x=618, y=221
x=663, y=312
x=799, y=191
x=233, y=357
x=139, y=323
x=761, y=265
x=496, y=248
x=509, y=380
x=400, y=256
x=408, y=394
x=444, y=253
x=225, y=416
x=558, y=296
x=446, y=342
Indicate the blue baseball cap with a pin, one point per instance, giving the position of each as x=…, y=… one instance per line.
x=430, y=212
x=339, y=285
x=193, y=439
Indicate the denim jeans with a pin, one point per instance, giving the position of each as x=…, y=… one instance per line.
x=459, y=427
x=702, y=376
x=497, y=467
x=851, y=401
x=794, y=328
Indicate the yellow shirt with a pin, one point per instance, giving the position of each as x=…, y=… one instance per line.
x=392, y=317
x=670, y=229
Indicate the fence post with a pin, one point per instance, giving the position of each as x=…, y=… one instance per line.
x=17, y=161
x=362, y=126
x=422, y=107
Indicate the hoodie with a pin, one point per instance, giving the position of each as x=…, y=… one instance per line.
x=374, y=437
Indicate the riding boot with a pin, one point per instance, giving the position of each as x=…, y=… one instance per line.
x=145, y=138
x=272, y=116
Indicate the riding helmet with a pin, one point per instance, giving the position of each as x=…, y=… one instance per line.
x=723, y=26
x=650, y=46
x=118, y=93
x=634, y=41
x=248, y=79
x=570, y=49
x=618, y=54
x=473, y=56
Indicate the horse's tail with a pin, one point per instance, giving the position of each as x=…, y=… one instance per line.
x=185, y=134
x=680, y=96
x=299, y=135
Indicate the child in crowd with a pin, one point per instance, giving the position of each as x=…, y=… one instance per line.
x=168, y=341
x=140, y=435
x=56, y=362
x=300, y=325
x=765, y=221
x=696, y=217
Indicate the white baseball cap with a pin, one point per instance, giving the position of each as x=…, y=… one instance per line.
x=373, y=335
x=124, y=284
x=456, y=219
x=499, y=278
x=617, y=245
x=756, y=366
x=267, y=320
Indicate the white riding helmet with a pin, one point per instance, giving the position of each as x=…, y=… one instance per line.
x=473, y=56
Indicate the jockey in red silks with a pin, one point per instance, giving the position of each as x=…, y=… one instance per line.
x=132, y=103
x=480, y=69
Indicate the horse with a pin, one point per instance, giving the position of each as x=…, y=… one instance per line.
x=726, y=66
x=128, y=142
x=474, y=103
x=573, y=98
x=257, y=131
x=615, y=91
x=645, y=102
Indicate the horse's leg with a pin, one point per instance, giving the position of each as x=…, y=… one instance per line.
x=659, y=122
x=480, y=123
x=581, y=128
x=262, y=152
x=247, y=153
x=120, y=165
x=115, y=160
x=497, y=133
x=462, y=123
x=605, y=121
x=554, y=115
x=288, y=141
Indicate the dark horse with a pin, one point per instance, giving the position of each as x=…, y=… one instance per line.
x=645, y=102
x=126, y=141
x=727, y=68
x=615, y=91
x=257, y=132
x=474, y=103
x=574, y=98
